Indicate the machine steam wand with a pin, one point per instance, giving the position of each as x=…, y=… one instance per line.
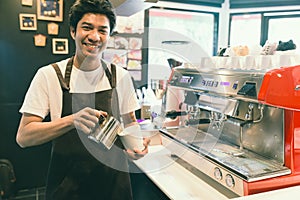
x=249, y=119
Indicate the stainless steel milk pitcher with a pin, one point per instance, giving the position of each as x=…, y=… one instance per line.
x=107, y=131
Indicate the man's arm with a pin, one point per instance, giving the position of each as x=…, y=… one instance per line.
x=129, y=119
x=33, y=131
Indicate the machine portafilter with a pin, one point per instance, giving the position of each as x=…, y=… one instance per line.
x=173, y=114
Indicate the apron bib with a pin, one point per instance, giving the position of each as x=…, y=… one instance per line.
x=81, y=169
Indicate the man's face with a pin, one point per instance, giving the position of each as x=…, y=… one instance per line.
x=91, y=36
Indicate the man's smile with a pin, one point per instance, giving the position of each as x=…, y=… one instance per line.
x=92, y=46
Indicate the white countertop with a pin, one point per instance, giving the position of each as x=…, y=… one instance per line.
x=178, y=183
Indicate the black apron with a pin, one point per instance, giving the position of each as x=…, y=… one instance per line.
x=81, y=169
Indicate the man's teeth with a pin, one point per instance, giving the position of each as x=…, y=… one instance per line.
x=90, y=45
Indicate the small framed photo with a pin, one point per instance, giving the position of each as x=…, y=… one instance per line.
x=121, y=42
x=27, y=21
x=27, y=2
x=135, y=43
x=116, y=56
x=135, y=54
x=51, y=10
x=60, y=46
x=134, y=65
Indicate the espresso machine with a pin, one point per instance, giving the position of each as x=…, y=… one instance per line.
x=239, y=127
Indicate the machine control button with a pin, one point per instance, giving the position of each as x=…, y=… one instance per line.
x=235, y=85
x=218, y=173
x=229, y=181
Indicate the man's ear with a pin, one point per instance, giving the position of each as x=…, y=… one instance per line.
x=72, y=32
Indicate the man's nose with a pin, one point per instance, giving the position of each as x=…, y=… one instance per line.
x=94, y=35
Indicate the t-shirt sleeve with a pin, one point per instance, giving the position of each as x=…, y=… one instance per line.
x=127, y=97
x=36, y=100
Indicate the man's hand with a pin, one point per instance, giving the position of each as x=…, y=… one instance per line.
x=87, y=119
x=136, y=153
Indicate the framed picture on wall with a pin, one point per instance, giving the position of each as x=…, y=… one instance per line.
x=121, y=42
x=135, y=43
x=60, y=46
x=27, y=2
x=51, y=10
x=135, y=54
x=116, y=56
x=134, y=65
x=27, y=21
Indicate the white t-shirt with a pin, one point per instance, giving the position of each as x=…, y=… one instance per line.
x=45, y=94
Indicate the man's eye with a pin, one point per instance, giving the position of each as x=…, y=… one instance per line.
x=103, y=31
x=86, y=27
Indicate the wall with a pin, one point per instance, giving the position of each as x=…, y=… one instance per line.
x=19, y=60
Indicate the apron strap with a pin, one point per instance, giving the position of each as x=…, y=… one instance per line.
x=63, y=84
x=68, y=71
x=111, y=76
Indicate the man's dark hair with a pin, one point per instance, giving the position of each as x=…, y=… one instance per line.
x=81, y=7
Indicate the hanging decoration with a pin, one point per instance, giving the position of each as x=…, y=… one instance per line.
x=53, y=28
x=39, y=40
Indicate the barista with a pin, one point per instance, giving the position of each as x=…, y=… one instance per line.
x=75, y=92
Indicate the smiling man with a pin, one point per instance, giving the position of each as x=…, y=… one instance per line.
x=75, y=92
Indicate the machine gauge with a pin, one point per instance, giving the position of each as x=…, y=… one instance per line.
x=218, y=173
x=229, y=181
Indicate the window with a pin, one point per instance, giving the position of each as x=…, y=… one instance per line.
x=284, y=29
x=185, y=36
x=245, y=29
x=256, y=28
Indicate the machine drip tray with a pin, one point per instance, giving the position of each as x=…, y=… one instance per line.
x=245, y=164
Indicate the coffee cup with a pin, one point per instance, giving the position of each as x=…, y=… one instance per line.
x=132, y=137
x=250, y=62
x=265, y=62
x=285, y=60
